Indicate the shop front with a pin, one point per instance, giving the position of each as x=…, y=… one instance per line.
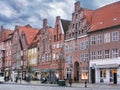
x=108, y=73
x=48, y=75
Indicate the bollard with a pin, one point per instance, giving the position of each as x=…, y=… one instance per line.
x=85, y=84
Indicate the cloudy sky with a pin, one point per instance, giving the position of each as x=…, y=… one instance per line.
x=22, y=12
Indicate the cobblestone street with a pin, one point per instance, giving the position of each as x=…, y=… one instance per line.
x=36, y=85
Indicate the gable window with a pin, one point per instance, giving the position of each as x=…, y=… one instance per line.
x=70, y=62
x=66, y=48
x=70, y=48
x=107, y=37
x=60, y=36
x=76, y=46
x=107, y=54
x=54, y=38
x=115, y=53
x=115, y=36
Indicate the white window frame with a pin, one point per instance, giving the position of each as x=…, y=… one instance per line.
x=99, y=39
x=99, y=55
x=107, y=54
x=93, y=55
x=93, y=40
x=115, y=53
x=115, y=36
x=107, y=38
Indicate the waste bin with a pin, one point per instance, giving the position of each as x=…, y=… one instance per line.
x=61, y=82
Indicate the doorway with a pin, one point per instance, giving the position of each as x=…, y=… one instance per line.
x=92, y=75
x=115, y=76
x=76, y=72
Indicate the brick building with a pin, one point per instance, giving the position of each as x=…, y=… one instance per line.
x=22, y=38
x=5, y=51
x=77, y=45
x=45, y=50
x=105, y=45
x=58, y=60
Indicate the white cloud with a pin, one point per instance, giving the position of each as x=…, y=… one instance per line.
x=34, y=11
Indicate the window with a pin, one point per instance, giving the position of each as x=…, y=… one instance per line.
x=54, y=38
x=84, y=57
x=84, y=45
x=93, y=55
x=99, y=54
x=107, y=54
x=103, y=73
x=84, y=73
x=66, y=48
x=47, y=58
x=99, y=38
x=76, y=46
x=93, y=40
x=115, y=36
x=60, y=36
x=107, y=37
x=66, y=59
x=70, y=59
x=54, y=56
x=43, y=58
x=115, y=53
x=70, y=48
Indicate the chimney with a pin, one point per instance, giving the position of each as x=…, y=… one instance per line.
x=58, y=18
x=1, y=28
x=77, y=6
x=44, y=22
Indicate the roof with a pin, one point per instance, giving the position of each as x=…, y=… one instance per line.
x=88, y=15
x=29, y=32
x=105, y=17
x=35, y=40
x=5, y=34
x=65, y=24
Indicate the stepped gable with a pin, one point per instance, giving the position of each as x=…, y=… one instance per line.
x=105, y=17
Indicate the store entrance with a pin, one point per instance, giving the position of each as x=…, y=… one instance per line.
x=115, y=76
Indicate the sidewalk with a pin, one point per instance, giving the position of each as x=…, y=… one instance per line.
x=77, y=85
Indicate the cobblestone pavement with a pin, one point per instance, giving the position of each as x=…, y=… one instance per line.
x=76, y=86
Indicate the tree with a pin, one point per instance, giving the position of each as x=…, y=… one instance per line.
x=61, y=63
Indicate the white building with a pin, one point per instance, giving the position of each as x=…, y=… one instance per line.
x=105, y=71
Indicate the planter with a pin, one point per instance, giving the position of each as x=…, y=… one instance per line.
x=61, y=83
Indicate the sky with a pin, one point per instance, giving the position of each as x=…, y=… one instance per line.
x=23, y=12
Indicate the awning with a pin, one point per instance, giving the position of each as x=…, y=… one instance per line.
x=48, y=70
x=108, y=66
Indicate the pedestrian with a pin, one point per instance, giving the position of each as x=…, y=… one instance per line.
x=16, y=79
x=70, y=82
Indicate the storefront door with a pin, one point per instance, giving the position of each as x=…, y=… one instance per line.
x=115, y=76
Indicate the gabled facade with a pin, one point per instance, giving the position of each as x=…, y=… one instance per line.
x=77, y=45
x=45, y=50
x=33, y=58
x=22, y=38
x=58, y=60
x=5, y=51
